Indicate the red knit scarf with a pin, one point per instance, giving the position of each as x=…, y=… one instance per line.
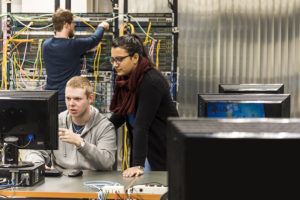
x=125, y=91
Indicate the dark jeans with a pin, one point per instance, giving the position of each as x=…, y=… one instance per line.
x=61, y=106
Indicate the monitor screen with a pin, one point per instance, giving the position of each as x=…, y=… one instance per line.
x=29, y=119
x=252, y=88
x=209, y=157
x=243, y=105
x=235, y=110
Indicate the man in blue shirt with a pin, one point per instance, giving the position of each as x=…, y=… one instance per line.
x=61, y=53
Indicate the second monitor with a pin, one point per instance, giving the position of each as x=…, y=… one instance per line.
x=244, y=105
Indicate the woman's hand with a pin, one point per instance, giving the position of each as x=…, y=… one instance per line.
x=47, y=168
x=137, y=171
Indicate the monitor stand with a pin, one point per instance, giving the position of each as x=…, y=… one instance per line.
x=10, y=154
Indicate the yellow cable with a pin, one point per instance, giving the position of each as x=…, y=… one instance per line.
x=98, y=59
x=41, y=62
x=36, y=64
x=23, y=40
x=125, y=149
x=31, y=79
x=146, y=39
x=15, y=63
x=123, y=27
x=85, y=22
x=4, y=66
x=24, y=72
x=96, y=71
x=157, y=52
x=122, y=30
x=132, y=28
x=5, y=55
x=21, y=31
x=40, y=59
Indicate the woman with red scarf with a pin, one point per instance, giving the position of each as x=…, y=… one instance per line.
x=141, y=99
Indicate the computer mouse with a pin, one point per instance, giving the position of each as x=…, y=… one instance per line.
x=75, y=173
x=53, y=172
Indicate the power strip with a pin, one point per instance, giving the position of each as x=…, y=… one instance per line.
x=148, y=189
x=113, y=189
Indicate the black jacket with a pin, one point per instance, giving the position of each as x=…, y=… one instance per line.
x=153, y=106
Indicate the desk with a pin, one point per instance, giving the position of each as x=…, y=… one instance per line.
x=72, y=187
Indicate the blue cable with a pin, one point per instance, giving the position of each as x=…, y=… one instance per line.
x=100, y=194
x=173, y=88
x=11, y=184
x=78, y=23
x=100, y=183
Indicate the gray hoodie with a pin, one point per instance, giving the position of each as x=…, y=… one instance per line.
x=99, y=150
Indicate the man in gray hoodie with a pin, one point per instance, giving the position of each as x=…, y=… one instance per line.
x=87, y=139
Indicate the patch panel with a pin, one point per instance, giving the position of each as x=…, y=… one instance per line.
x=103, y=91
x=161, y=29
x=157, y=19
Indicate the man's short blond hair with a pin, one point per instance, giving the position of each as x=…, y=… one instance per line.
x=81, y=82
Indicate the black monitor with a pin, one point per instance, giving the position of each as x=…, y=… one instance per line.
x=252, y=88
x=232, y=158
x=28, y=120
x=243, y=105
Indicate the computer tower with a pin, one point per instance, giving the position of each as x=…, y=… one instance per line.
x=23, y=176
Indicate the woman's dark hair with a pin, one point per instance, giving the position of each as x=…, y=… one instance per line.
x=132, y=44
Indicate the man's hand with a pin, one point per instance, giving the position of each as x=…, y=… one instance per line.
x=133, y=171
x=105, y=25
x=68, y=136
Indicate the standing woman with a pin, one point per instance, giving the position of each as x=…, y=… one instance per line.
x=142, y=99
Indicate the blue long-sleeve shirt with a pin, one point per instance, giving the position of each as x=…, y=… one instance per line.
x=62, y=59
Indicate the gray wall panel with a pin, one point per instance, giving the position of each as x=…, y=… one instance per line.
x=237, y=41
x=156, y=6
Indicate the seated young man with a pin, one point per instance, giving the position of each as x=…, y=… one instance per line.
x=87, y=139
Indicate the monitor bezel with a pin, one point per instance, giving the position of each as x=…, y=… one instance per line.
x=282, y=99
x=49, y=98
x=274, y=88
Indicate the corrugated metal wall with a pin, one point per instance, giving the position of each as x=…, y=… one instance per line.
x=155, y=6
x=237, y=41
x=1, y=19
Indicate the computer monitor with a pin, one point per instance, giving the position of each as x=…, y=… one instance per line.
x=252, y=88
x=28, y=120
x=232, y=158
x=243, y=105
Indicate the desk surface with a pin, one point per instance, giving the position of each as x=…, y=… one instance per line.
x=73, y=187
